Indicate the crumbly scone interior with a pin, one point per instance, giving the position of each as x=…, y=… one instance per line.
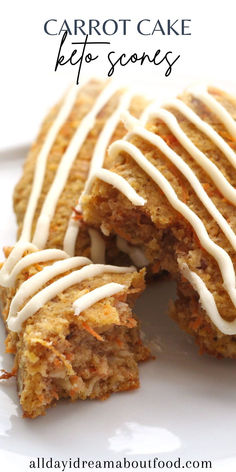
x=161, y=232
x=61, y=355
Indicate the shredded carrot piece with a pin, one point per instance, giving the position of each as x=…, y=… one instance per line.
x=131, y=323
x=41, y=397
x=170, y=139
x=185, y=194
x=55, y=394
x=57, y=362
x=73, y=379
x=156, y=268
x=78, y=215
x=61, y=356
x=92, y=332
x=38, y=267
x=53, y=228
x=195, y=324
x=7, y=250
x=119, y=342
x=10, y=350
x=69, y=356
x=7, y=375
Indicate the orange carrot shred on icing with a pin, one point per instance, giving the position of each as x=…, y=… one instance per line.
x=92, y=332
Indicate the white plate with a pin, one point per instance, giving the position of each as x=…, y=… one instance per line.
x=185, y=407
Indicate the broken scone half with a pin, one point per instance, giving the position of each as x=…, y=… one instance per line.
x=70, y=325
x=172, y=194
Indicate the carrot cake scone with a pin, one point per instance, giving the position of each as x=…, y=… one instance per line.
x=170, y=190
x=85, y=348
x=70, y=326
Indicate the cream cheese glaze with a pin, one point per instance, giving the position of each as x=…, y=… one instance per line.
x=95, y=296
x=42, y=161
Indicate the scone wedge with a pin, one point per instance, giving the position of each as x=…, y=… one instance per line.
x=70, y=327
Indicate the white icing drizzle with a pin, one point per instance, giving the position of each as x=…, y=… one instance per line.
x=222, y=114
x=72, y=230
x=15, y=263
x=37, y=281
x=71, y=236
x=134, y=127
x=89, y=299
x=220, y=255
x=12, y=260
x=49, y=206
x=41, y=162
x=224, y=187
x=105, y=230
x=97, y=161
x=205, y=128
x=207, y=301
x=46, y=294
x=107, y=132
x=223, y=259
x=31, y=259
x=118, y=182
x=98, y=247
x=135, y=253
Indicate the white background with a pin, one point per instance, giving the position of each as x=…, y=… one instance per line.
x=29, y=85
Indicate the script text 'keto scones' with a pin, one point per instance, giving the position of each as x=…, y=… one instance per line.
x=171, y=192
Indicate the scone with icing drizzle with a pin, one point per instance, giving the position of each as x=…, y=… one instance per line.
x=71, y=146
x=170, y=190
x=70, y=326
x=85, y=348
